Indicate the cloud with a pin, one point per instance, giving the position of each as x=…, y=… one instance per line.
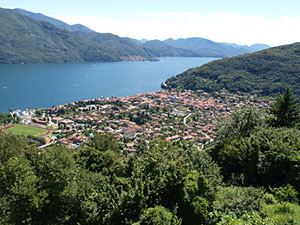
x=220, y=27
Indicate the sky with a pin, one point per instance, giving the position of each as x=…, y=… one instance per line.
x=273, y=22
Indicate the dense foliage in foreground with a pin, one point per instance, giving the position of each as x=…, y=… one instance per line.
x=164, y=183
x=265, y=73
x=97, y=186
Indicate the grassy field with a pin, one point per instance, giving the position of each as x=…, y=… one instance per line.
x=283, y=214
x=25, y=130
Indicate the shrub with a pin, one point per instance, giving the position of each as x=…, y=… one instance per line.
x=269, y=199
x=238, y=200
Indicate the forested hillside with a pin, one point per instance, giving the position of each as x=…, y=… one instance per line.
x=160, y=49
x=58, y=23
x=265, y=73
x=24, y=40
x=122, y=46
x=197, y=47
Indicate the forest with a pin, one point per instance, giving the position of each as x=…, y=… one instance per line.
x=265, y=73
x=248, y=175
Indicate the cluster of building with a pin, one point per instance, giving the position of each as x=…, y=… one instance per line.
x=168, y=115
x=137, y=58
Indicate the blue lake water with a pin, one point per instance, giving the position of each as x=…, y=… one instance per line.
x=46, y=85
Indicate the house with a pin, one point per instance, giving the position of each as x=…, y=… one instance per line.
x=173, y=138
x=128, y=132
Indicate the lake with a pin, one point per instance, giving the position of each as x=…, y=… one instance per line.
x=46, y=85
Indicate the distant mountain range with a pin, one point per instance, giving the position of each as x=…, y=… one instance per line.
x=123, y=46
x=28, y=37
x=209, y=48
x=251, y=48
x=265, y=73
x=158, y=48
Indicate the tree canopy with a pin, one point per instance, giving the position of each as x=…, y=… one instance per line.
x=285, y=110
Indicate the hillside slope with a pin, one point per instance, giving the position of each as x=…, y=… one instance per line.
x=266, y=73
x=158, y=48
x=199, y=47
x=210, y=48
x=24, y=40
x=122, y=46
x=58, y=23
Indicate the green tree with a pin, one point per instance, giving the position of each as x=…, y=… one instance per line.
x=11, y=146
x=194, y=199
x=5, y=118
x=20, y=195
x=285, y=110
x=256, y=158
x=105, y=142
x=158, y=216
x=286, y=193
x=58, y=186
x=241, y=123
x=94, y=159
x=59, y=176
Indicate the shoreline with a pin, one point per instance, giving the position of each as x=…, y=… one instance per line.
x=85, y=100
x=72, y=82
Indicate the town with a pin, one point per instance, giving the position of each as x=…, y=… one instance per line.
x=169, y=115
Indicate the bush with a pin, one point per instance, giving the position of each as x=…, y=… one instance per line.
x=286, y=193
x=252, y=218
x=269, y=199
x=238, y=200
x=158, y=216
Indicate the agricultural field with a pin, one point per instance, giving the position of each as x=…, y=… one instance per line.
x=26, y=130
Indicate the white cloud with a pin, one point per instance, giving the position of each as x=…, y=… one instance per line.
x=220, y=27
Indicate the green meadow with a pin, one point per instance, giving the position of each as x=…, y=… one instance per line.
x=26, y=130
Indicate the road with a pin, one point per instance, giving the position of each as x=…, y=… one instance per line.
x=208, y=137
x=185, y=118
x=46, y=145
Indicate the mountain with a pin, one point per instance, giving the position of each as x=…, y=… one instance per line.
x=143, y=40
x=209, y=48
x=265, y=73
x=158, y=48
x=258, y=47
x=24, y=40
x=122, y=46
x=55, y=22
x=136, y=41
x=249, y=49
x=111, y=46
